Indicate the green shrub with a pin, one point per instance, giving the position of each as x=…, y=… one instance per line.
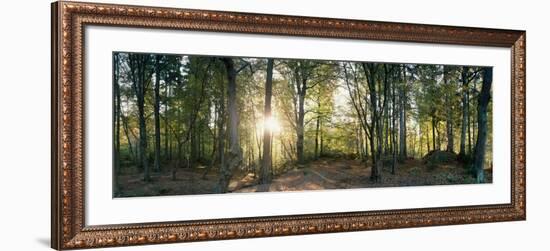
x=436, y=158
x=415, y=170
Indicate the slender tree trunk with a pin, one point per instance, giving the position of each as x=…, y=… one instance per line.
x=157, y=112
x=433, y=133
x=127, y=133
x=474, y=116
x=117, y=115
x=143, y=144
x=377, y=171
x=317, y=128
x=364, y=147
x=428, y=138
x=201, y=141
x=212, y=159
x=266, y=160
x=360, y=108
x=372, y=148
x=138, y=69
x=483, y=103
x=321, y=145
x=116, y=124
x=370, y=70
x=386, y=123
x=193, y=146
x=464, y=77
x=402, y=118
x=359, y=141
x=300, y=124
x=449, y=111
x=469, y=123
x=178, y=160
x=393, y=128
x=221, y=130
x=438, y=136
x=414, y=141
x=166, y=120
x=317, y=125
x=420, y=144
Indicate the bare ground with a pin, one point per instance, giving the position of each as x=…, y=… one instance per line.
x=316, y=175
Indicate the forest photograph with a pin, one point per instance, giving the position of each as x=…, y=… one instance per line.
x=194, y=124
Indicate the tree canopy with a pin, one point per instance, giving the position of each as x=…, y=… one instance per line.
x=265, y=117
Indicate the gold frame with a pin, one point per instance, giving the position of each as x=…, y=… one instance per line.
x=68, y=228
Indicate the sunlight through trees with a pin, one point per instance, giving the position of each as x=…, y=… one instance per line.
x=219, y=124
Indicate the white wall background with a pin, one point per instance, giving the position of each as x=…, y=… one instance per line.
x=25, y=124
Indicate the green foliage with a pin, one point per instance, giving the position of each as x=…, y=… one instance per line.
x=438, y=158
x=339, y=100
x=415, y=170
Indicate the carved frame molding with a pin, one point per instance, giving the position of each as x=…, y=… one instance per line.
x=68, y=226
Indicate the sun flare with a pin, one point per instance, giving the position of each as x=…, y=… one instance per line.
x=272, y=125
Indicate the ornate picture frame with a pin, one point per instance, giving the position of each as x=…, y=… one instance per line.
x=69, y=230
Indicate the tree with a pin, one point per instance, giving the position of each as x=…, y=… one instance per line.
x=359, y=100
x=393, y=119
x=266, y=161
x=449, y=93
x=221, y=113
x=371, y=71
x=116, y=120
x=234, y=155
x=304, y=74
x=158, y=58
x=403, y=116
x=484, y=98
x=139, y=65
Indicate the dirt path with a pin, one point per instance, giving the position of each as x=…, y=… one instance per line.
x=316, y=175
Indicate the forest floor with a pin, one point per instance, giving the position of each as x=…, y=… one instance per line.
x=325, y=173
x=342, y=174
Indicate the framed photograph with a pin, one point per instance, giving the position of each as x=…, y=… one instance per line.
x=175, y=125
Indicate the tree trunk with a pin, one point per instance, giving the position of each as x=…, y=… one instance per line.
x=420, y=145
x=464, y=124
x=483, y=103
x=300, y=124
x=266, y=160
x=360, y=109
x=116, y=124
x=393, y=128
x=449, y=120
x=428, y=138
x=138, y=71
x=127, y=133
x=359, y=142
x=234, y=155
x=370, y=70
x=143, y=144
x=469, y=123
x=317, y=128
x=166, y=120
x=433, y=133
x=402, y=117
x=438, y=133
x=157, y=113
x=193, y=146
x=221, y=129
